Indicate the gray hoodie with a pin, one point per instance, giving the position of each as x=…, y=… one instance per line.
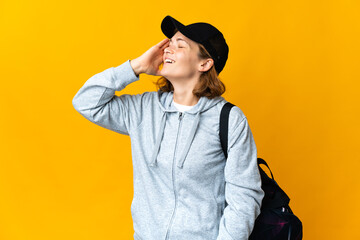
x=179, y=168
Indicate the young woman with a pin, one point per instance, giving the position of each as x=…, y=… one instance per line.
x=181, y=177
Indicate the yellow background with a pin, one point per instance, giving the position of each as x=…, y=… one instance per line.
x=293, y=69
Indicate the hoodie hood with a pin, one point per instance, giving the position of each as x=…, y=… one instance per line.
x=164, y=100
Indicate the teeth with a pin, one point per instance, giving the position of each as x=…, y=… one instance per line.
x=168, y=61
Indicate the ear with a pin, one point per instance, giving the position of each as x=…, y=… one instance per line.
x=205, y=65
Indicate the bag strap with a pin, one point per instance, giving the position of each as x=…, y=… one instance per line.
x=262, y=161
x=224, y=124
x=223, y=132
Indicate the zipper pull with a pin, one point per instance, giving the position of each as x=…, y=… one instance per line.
x=180, y=115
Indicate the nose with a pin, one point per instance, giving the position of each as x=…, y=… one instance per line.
x=167, y=50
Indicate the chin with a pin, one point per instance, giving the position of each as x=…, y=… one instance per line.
x=166, y=74
x=171, y=74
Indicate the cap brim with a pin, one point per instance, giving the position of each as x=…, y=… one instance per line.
x=169, y=24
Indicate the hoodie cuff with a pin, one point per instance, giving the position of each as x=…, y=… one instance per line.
x=125, y=73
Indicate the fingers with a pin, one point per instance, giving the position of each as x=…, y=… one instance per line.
x=163, y=43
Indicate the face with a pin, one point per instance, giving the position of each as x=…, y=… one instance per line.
x=184, y=53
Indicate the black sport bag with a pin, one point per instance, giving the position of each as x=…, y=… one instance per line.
x=276, y=220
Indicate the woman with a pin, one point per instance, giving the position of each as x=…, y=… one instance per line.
x=181, y=177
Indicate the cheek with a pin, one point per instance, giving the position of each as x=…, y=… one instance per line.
x=188, y=59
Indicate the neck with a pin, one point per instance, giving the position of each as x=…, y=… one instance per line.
x=185, y=97
x=183, y=91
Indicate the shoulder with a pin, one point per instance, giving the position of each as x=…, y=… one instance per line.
x=236, y=115
x=139, y=99
x=145, y=96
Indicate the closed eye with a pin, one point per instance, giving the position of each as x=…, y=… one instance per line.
x=170, y=42
x=180, y=47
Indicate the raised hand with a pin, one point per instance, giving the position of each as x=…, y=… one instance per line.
x=150, y=61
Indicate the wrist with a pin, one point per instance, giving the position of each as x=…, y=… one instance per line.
x=136, y=67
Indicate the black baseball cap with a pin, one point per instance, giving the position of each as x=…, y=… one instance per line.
x=206, y=34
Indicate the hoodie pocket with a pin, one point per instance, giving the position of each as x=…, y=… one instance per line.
x=220, y=203
x=136, y=236
x=219, y=197
x=221, y=206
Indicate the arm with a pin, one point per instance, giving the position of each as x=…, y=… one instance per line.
x=97, y=102
x=243, y=191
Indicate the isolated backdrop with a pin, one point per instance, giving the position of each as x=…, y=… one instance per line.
x=293, y=69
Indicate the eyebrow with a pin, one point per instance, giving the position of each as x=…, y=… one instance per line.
x=181, y=40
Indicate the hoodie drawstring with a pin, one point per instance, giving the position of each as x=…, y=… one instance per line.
x=188, y=142
x=158, y=140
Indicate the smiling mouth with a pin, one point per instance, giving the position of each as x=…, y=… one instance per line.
x=169, y=61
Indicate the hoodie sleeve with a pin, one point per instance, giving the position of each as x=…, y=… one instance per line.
x=97, y=102
x=243, y=192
